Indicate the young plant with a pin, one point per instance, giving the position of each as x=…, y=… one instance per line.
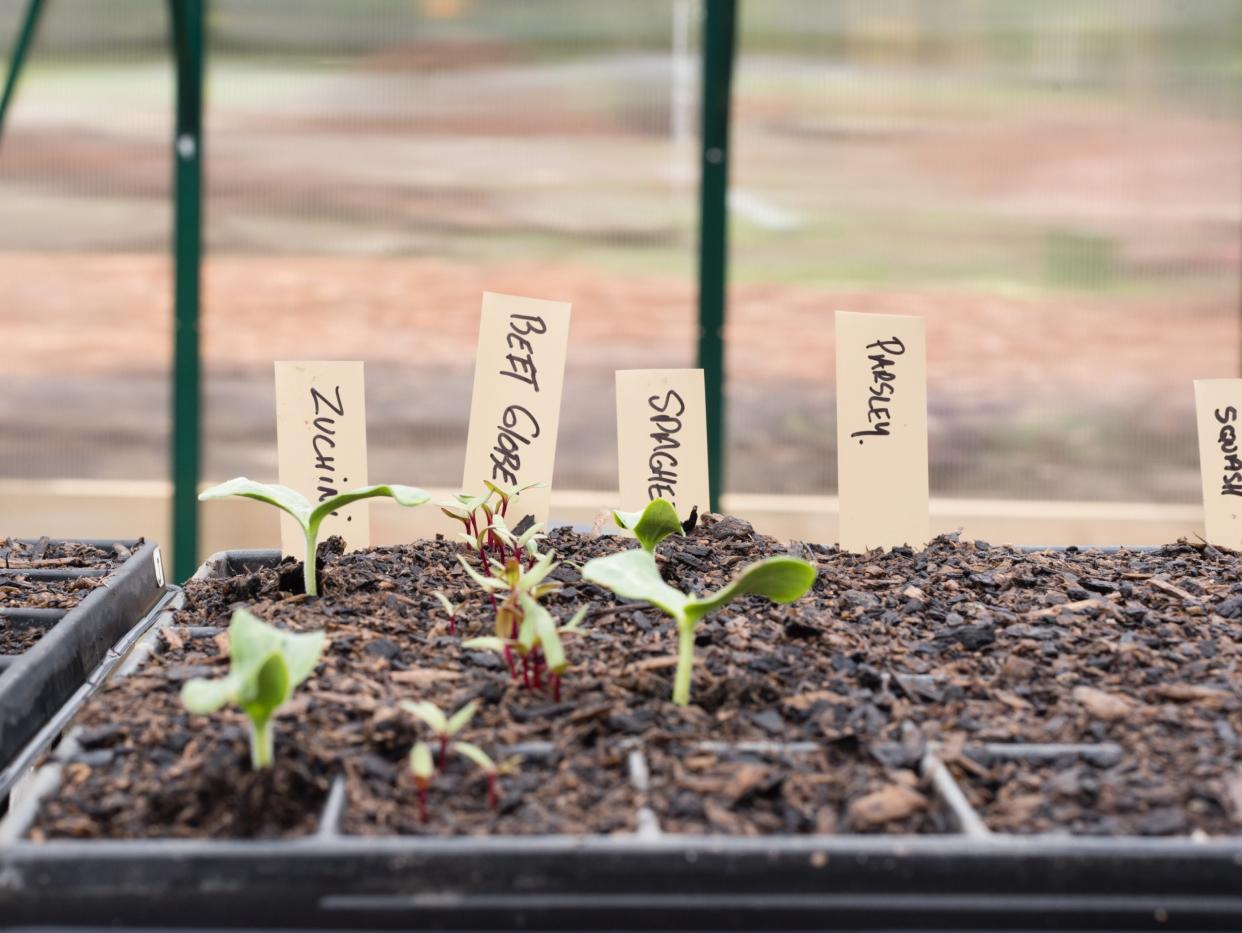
x=310, y=517
x=481, y=520
x=443, y=727
x=423, y=770
x=265, y=666
x=652, y=525
x=450, y=608
x=539, y=643
x=633, y=574
x=522, y=624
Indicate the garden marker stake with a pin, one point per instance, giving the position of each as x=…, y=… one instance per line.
x=662, y=438
x=516, y=405
x=1218, y=411
x=321, y=444
x=882, y=431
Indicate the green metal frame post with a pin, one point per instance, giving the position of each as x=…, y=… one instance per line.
x=187, y=21
x=719, y=32
x=30, y=25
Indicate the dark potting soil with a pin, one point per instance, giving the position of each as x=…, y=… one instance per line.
x=17, y=636
x=960, y=644
x=18, y=589
x=45, y=554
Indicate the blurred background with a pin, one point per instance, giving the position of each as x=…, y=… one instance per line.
x=1056, y=186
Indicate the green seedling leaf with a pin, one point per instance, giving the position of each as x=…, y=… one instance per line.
x=490, y=584
x=310, y=517
x=266, y=666
x=780, y=579
x=422, y=765
x=429, y=713
x=477, y=755
x=652, y=525
x=284, y=498
x=458, y=720
x=486, y=643
x=539, y=627
x=633, y=574
x=575, y=622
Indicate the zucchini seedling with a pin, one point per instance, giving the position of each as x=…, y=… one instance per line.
x=265, y=666
x=633, y=574
x=653, y=524
x=310, y=517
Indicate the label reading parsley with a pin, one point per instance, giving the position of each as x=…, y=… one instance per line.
x=516, y=406
x=662, y=438
x=881, y=430
x=321, y=444
x=1218, y=403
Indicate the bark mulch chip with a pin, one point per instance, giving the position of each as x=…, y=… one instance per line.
x=807, y=718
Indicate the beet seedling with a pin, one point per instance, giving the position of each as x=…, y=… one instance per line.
x=633, y=574
x=423, y=770
x=480, y=520
x=310, y=517
x=450, y=608
x=443, y=727
x=265, y=666
x=522, y=624
x=652, y=525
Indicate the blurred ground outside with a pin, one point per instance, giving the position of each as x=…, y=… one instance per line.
x=1056, y=187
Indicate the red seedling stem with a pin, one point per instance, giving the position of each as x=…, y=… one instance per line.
x=555, y=681
x=422, y=802
x=443, y=750
x=493, y=795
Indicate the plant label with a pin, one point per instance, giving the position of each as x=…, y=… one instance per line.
x=882, y=431
x=662, y=438
x=321, y=445
x=516, y=406
x=1218, y=406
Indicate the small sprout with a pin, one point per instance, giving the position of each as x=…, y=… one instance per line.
x=266, y=665
x=444, y=727
x=423, y=769
x=488, y=767
x=633, y=574
x=310, y=517
x=450, y=608
x=652, y=525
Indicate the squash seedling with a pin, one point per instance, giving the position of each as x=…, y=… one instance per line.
x=633, y=574
x=265, y=666
x=443, y=727
x=652, y=525
x=310, y=517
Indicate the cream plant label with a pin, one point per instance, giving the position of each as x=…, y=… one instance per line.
x=516, y=405
x=662, y=438
x=1218, y=412
x=321, y=444
x=882, y=431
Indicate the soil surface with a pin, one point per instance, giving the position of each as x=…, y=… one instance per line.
x=808, y=718
x=20, y=589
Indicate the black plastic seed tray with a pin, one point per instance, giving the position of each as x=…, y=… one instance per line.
x=35, y=684
x=966, y=879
